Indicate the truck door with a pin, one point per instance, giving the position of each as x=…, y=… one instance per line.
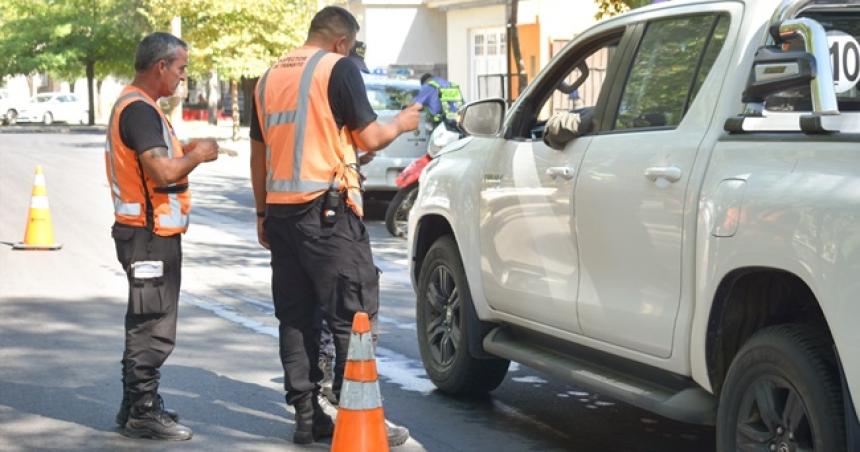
x=633, y=191
x=529, y=254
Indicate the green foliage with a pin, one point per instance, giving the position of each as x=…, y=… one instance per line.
x=239, y=38
x=61, y=37
x=609, y=8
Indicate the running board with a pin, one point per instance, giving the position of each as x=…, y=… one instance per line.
x=661, y=392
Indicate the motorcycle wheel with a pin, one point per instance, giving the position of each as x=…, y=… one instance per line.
x=397, y=213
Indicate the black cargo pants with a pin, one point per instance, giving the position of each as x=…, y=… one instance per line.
x=318, y=271
x=150, y=318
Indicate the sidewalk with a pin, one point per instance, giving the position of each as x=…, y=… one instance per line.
x=223, y=133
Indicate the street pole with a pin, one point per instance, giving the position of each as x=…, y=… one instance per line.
x=176, y=99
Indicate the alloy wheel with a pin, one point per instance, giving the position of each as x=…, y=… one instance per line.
x=443, y=314
x=773, y=418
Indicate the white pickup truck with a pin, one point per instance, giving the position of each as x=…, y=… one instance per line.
x=694, y=251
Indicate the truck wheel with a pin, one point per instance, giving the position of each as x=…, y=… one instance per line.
x=443, y=336
x=782, y=393
x=11, y=117
x=397, y=213
x=48, y=119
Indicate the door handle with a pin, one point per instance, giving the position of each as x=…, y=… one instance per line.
x=670, y=173
x=564, y=172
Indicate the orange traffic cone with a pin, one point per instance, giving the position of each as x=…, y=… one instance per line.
x=360, y=424
x=39, y=234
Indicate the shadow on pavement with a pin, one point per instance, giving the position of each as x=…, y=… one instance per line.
x=60, y=362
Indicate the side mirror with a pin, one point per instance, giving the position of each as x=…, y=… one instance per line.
x=483, y=117
x=775, y=70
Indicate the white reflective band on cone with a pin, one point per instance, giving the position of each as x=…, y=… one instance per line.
x=39, y=202
x=360, y=396
x=39, y=180
x=360, y=347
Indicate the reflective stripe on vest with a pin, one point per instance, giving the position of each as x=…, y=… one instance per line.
x=176, y=219
x=119, y=207
x=298, y=118
x=168, y=216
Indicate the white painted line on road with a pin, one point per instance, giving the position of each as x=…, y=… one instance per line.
x=409, y=326
x=226, y=314
x=398, y=369
x=402, y=371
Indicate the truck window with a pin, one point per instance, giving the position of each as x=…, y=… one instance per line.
x=843, y=32
x=671, y=64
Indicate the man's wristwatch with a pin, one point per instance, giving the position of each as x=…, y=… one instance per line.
x=261, y=214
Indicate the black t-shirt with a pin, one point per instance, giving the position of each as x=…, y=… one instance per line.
x=347, y=98
x=140, y=127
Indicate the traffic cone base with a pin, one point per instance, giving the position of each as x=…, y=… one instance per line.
x=39, y=234
x=23, y=246
x=360, y=430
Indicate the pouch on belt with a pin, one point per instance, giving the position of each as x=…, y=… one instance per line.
x=147, y=287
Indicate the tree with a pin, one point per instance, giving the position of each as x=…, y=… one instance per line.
x=71, y=38
x=609, y=8
x=238, y=39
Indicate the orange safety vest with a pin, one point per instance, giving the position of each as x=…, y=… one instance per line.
x=170, y=205
x=306, y=153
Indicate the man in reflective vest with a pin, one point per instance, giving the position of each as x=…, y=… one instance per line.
x=310, y=113
x=147, y=169
x=442, y=98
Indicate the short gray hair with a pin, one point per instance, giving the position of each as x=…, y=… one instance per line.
x=154, y=47
x=334, y=22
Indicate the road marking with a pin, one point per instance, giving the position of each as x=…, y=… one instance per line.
x=398, y=369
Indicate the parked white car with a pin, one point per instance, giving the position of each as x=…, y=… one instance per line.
x=8, y=108
x=388, y=96
x=50, y=107
x=691, y=248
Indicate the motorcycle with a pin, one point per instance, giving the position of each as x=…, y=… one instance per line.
x=397, y=213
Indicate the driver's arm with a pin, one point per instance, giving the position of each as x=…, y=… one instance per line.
x=561, y=128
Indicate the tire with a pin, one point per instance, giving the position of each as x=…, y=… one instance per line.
x=48, y=119
x=443, y=336
x=397, y=213
x=779, y=368
x=11, y=117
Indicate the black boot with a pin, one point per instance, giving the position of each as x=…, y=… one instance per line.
x=304, y=418
x=125, y=408
x=323, y=425
x=147, y=419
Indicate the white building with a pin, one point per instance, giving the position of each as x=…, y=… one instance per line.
x=466, y=40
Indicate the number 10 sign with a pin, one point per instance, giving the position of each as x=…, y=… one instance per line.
x=845, y=58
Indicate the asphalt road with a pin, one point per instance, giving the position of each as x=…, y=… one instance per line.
x=61, y=334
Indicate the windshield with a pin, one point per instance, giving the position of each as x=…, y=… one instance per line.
x=843, y=32
x=390, y=97
x=41, y=99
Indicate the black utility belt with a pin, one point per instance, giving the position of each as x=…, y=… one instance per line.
x=172, y=189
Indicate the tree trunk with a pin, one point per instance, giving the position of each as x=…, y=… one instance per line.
x=234, y=101
x=515, y=47
x=99, y=98
x=91, y=75
x=212, y=95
